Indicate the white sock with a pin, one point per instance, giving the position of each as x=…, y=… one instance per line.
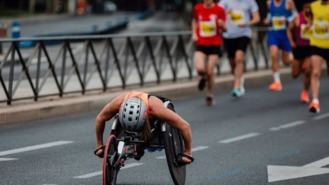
x=242, y=81
x=315, y=100
x=276, y=76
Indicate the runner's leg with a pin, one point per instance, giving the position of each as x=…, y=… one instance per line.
x=199, y=62
x=316, y=63
x=239, y=67
x=212, y=61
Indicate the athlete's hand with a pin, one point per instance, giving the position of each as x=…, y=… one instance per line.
x=293, y=44
x=267, y=22
x=221, y=23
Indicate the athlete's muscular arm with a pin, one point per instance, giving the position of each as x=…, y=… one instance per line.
x=255, y=18
x=110, y=110
x=267, y=20
x=290, y=5
x=158, y=110
x=194, y=30
x=194, y=25
x=290, y=33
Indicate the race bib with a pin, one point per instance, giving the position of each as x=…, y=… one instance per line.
x=237, y=17
x=279, y=22
x=306, y=32
x=208, y=28
x=321, y=29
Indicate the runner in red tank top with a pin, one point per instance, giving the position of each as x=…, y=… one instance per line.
x=208, y=24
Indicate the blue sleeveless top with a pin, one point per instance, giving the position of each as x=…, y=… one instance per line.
x=279, y=15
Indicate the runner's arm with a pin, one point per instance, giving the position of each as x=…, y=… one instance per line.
x=255, y=18
x=290, y=5
x=109, y=111
x=194, y=30
x=222, y=19
x=290, y=33
x=267, y=20
x=194, y=25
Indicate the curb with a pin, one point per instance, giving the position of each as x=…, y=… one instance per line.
x=24, y=112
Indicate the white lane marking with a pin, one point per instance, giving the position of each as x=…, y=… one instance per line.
x=88, y=175
x=288, y=125
x=239, y=138
x=320, y=163
x=281, y=173
x=322, y=116
x=93, y=174
x=8, y=159
x=34, y=147
x=195, y=149
x=198, y=148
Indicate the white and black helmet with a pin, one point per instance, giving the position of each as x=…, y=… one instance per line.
x=132, y=114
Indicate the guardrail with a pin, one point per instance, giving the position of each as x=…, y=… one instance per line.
x=78, y=64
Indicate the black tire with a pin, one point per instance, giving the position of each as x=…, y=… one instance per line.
x=174, y=145
x=110, y=172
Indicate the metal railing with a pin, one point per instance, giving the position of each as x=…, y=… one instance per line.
x=56, y=66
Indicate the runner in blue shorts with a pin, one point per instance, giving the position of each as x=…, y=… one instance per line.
x=280, y=13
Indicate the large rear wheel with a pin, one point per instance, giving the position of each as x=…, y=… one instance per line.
x=110, y=171
x=173, y=147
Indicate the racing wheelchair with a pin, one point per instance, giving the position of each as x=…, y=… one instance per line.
x=122, y=145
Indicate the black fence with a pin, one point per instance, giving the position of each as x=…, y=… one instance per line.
x=32, y=68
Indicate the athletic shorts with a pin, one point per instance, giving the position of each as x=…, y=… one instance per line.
x=301, y=52
x=233, y=45
x=210, y=50
x=324, y=53
x=279, y=39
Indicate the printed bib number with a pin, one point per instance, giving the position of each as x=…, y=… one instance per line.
x=306, y=32
x=279, y=22
x=321, y=29
x=208, y=28
x=237, y=17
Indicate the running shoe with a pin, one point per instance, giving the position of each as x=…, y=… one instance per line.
x=275, y=86
x=314, y=107
x=237, y=92
x=304, y=98
x=202, y=83
x=210, y=101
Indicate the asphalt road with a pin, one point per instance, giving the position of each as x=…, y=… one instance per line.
x=262, y=138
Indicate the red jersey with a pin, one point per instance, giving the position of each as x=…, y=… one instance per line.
x=207, y=28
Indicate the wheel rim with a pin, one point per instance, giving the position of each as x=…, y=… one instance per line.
x=110, y=155
x=174, y=146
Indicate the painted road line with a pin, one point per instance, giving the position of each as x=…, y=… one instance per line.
x=320, y=163
x=94, y=174
x=195, y=149
x=239, y=138
x=34, y=147
x=8, y=159
x=288, y=125
x=322, y=116
x=281, y=173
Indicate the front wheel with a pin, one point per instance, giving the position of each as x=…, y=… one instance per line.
x=110, y=171
x=173, y=147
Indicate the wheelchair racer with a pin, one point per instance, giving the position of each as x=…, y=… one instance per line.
x=137, y=111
